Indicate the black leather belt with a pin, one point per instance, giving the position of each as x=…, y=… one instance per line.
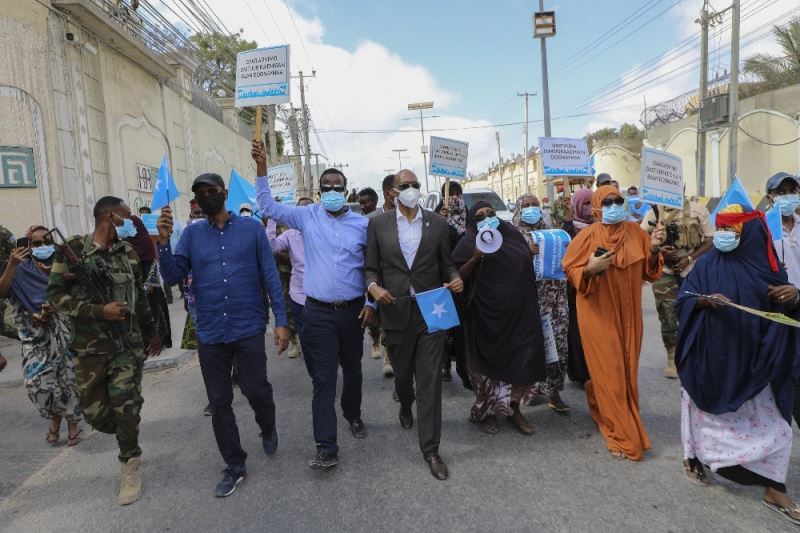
x=336, y=306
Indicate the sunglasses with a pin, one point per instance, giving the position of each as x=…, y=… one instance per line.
x=481, y=218
x=404, y=186
x=329, y=188
x=608, y=202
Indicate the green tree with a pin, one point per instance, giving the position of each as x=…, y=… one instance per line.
x=217, y=72
x=776, y=71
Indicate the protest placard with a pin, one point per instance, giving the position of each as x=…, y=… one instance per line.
x=448, y=158
x=662, y=178
x=283, y=183
x=263, y=76
x=564, y=157
x=150, y=221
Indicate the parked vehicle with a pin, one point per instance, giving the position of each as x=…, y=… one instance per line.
x=470, y=197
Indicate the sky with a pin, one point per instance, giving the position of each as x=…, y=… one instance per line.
x=471, y=58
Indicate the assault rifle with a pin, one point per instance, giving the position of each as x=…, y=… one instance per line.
x=97, y=283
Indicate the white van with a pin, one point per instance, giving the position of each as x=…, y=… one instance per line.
x=470, y=197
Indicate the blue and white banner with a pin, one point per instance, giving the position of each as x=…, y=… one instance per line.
x=565, y=157
x=552, y=249
x=449, y=158
x=662, y=178
x=263, y=76
x=438, y=309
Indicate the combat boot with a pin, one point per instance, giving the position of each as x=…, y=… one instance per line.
x=670, y=371
x=130, y=484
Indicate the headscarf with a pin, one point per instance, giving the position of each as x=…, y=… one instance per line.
x=141, y=242
x=29, y=286
x=578, y=199
x=526, y=229
x=726, y=357
x=733, y=216
x=457, y=216
x=612, y=237
x=502, y=317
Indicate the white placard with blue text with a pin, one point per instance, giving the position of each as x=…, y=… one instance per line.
x=662, y=178
x=449, y=158
x=565, y=157
x=283, y=183
x=263, y=76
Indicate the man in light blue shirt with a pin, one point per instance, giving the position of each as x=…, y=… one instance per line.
x=334, y=316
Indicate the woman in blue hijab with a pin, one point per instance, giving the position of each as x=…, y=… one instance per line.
x=737, y=369
x=44, y=333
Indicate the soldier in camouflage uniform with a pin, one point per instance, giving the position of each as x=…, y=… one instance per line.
x=7, y=244
x=108, y=364
x=689, y=235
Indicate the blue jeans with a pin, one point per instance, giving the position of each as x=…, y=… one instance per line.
x=332, y=338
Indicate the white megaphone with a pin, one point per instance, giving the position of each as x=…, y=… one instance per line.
x=489, y=240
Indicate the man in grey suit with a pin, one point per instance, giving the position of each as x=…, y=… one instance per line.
x=408, y=252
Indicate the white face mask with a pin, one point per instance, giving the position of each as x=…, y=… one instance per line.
x=410, y=197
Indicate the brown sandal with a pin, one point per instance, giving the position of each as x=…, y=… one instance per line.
x=73, y=440
x=53, y=436
x=521, y=423
x=489, y=424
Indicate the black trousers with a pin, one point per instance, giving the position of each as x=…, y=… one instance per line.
x=332, y=338
x=216, y=361
x=416, y=353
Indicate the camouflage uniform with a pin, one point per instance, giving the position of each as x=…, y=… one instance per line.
x=108, y=371
x=7, y=245
x=558, y=213
x=692, y=229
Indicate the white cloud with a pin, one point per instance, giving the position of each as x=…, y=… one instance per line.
x=366, y=88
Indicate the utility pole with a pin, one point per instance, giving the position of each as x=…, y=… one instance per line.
x=734, y=91
x=705, y=22
x=525, y=129
x=419, y=106
x=307, y=148
x=544, y=27
x=273, y=141
x=294, y=134
x=399, y=155
x=500, y=167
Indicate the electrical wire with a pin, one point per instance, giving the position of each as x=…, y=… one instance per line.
x=302, y=41
x=766, y=142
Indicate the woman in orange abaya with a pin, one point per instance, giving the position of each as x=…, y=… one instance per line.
x=607, y=263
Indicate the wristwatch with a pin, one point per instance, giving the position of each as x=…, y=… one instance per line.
x=691, y=259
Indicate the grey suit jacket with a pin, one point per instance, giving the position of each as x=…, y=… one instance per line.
x=386, y=266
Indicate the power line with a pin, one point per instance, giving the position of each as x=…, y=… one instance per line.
x=274, y=21
x=302, y=42
x=766, y=142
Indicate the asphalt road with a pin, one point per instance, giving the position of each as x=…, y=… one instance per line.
x=559, y=479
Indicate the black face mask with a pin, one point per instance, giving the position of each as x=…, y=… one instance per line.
x=212, y=204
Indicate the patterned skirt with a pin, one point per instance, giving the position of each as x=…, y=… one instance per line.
x=494, y=397
x=47, y=365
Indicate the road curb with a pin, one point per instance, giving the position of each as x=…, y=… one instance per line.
x=171, y=361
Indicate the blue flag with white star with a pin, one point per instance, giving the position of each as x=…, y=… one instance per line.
x=438, y=309
x=165, y=191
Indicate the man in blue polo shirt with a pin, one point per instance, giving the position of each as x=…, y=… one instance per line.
x=231, y=263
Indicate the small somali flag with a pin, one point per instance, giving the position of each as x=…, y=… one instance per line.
x=164, y=190
x=734, y=195
x=775, y=223
x=438, y=309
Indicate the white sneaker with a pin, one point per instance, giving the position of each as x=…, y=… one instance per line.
x=377, y=351
x=294, y=351
x=388, y=371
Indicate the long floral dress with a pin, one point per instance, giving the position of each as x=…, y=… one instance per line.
x=47, y=364
x=554, y=306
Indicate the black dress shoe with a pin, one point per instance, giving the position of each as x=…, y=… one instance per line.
x=357, y=428
x=406, y=418
x=438, y=468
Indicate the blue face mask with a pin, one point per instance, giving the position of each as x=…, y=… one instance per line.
x=531, y=215
x=787, y=203
x=127, y=230
x=490, y=222
x=614, y=214
x=43, y=253
x=725, y=241
x=332, y=201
